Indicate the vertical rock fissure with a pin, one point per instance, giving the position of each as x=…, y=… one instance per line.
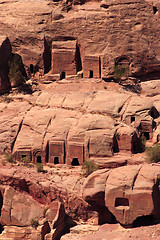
x=19, y=129
x=135, y=177
x=45, y=132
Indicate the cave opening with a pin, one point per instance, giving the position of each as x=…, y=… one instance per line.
x=132, y=119
x=39, y=159
x=56, y=160
x=31, y=69
x=155, y=9
x=75, y=162
x=63, y=75
x=90, y=74
x=121, y=202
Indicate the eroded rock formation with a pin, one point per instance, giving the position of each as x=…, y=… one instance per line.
x=128, y=192
x=109, y=34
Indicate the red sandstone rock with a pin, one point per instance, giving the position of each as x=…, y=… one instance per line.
x=94, y=186
x=114, y=232
x=19, y=208
x=130, y=192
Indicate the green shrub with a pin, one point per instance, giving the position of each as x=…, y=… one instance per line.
x=34, y=223
x=25, y=161
x=39, y=167
x=88, y=167
x=17, y=72
x=153, y=153
x=142, y=142
x=9, y=158
x=6, y=98
x=121, y=71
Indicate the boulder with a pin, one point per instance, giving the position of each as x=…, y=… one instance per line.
x=127, y=139
x=94, y=186
x=19, y=209
x=130, y=192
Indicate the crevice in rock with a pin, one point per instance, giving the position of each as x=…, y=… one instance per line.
x=45, y=132
x=19, y=129
x=124, y=107
x=1, y=202
x=45, y=229
x=1, y=228
x=155, y=9
x=135, y=177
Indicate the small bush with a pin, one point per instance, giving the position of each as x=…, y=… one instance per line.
x=153, y=153
x=88, y=167
x=17, y=72
x=25, y=161
x=6, y=98
x=34, y=223
x=39, y=167
x=9, y=158
x=142, y=142
x=121, y=71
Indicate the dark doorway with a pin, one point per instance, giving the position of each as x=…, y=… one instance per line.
x=39, y=159
x=75, y=162
x=78, y=59
x=47, y=153
x=146, y=134
x=155, y=9
x=47, y=55
x=121, y=202
x=31, y=68
x=99, y=67
x=132, y=119
x=63, y=75
x=56, y=160
x=115, y=144
x=24, y=156
x=90, y=74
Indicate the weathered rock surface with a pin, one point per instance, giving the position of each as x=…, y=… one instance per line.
x=23, y=200
x=116, y=231
x=98, y=124
x=130, y=191
x=96, y=25
x=25, y=233
x=19, y=208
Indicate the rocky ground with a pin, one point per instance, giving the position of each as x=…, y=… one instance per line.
x=66, y=183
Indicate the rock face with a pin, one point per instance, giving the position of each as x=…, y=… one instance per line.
x=129, y=24
x=24, y=204
x=98, y=27
x=130, y=192
x=73, y=127
x=19, y=209
x=5, y=56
